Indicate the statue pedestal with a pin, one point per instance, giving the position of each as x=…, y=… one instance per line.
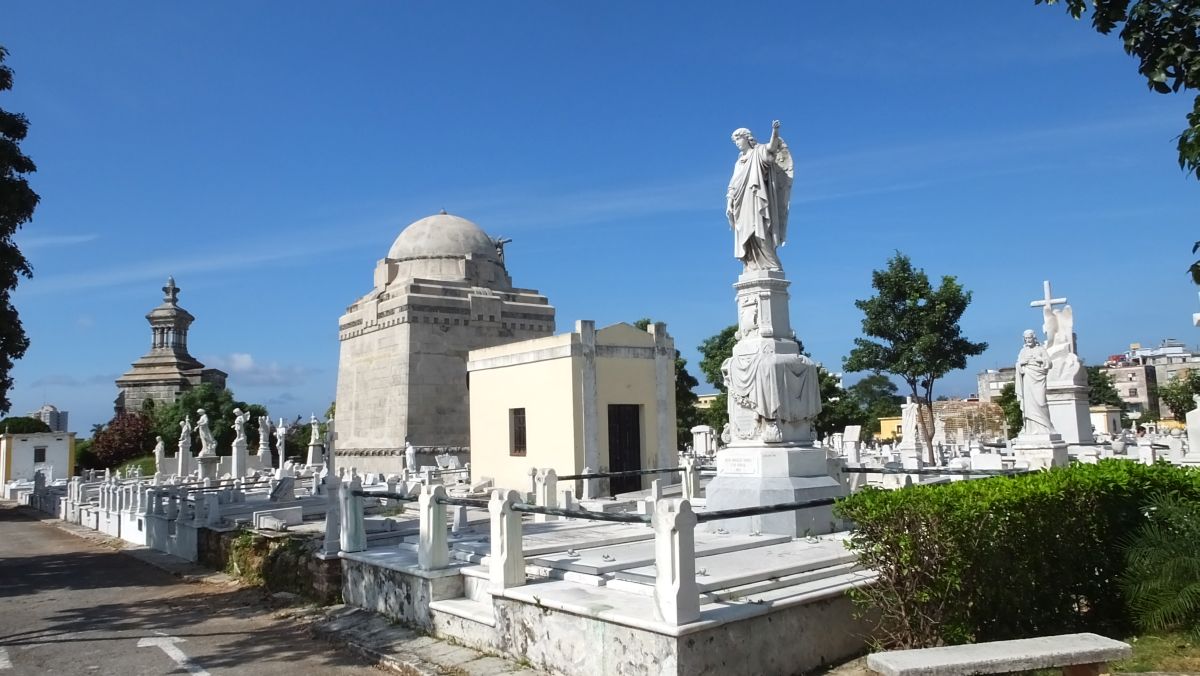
x=1041, y=451
x=263, y=459
x=209, y=465
x=237, y=462
x=766, y=475
x=1069, y=412
x=316, y=455
x=183, y=458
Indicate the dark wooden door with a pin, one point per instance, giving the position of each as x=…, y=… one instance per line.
x=624, y=446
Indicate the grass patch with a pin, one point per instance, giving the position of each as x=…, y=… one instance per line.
x=145, y=462
x=1171, y=652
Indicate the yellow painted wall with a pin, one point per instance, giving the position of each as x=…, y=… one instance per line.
x=889, y=428
x=547, y=390
x=628, y=381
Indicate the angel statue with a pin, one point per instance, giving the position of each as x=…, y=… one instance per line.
x=756, y=203
x=1059, y=328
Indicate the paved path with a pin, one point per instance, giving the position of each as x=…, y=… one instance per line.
x=74, y=606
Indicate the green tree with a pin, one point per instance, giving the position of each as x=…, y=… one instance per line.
x=917, y=326
x=1177, y=394
x=713, y=352
x=1164, y=35
x=839, y=407
x=126, y=436
x=1101, y=389
x=1012, y=409
x=23, y=425
x=879, y=398
x=687, y=415
x=218, y=404
x=17, y=202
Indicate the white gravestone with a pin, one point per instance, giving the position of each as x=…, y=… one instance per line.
x=1192, y=457
x=773, y=390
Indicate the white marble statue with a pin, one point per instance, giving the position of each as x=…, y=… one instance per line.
x=160, y=454
x=410, y=457
x=315, y=437
x=281, y=431
x=756, y=202
x=264, y=435
x=1033, y=368
x=1058, y=326
x=185, y=434
x=208, y=445
x=239, y=425
x=777, y=388
x=910, y=429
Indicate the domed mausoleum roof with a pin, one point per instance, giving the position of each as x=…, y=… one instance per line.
x=442, y=235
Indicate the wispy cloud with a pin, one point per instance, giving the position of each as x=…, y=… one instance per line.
x=64, y=380
x=47, y=241
x=157, y=270
x=243, y=369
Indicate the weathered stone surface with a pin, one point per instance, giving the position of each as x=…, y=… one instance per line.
x=1043, y=652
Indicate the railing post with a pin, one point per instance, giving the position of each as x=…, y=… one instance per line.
x=333, y=513
x=353, y=531
x=547, y=494
x=533, y=483
x=691, y=478
x=433, y=553
x=589, y=485
x=676, y=596
x=507, y=559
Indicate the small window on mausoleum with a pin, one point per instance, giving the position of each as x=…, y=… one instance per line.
x=39, y=454
x=516, y=431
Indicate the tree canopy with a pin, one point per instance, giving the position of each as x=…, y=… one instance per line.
x=1012, y=409
x=917, y=330
x=1177, y=393
x=125, y=437
x=17, y=202
x=23, y=425
x=218, y=404
x=713, y=352
x=1164, y=36
x=1101, y=390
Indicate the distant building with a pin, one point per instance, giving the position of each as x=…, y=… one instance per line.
x=21, y=455
x=705, y=401
x=441, y=291
x=1169, y=359
x=992, y=381
x=1136, y=385
x=167, y=370
x=56, y=419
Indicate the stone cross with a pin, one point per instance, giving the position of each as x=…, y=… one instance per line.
x=1047, y=299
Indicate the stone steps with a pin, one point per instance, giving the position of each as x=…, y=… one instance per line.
x=468, y=609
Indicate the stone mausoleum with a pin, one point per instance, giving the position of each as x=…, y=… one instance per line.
x=167, y=370
x=442, y=290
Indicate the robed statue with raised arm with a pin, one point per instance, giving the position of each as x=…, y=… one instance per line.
x=756, y=202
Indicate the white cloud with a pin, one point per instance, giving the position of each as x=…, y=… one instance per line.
x=47, y=241
x=243, y=369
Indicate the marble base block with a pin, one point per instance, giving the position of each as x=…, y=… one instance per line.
x=1041, y=451
x=752, y=477
x=1069, y=412
x=209, y=465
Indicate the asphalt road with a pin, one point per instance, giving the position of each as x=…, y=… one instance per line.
x=73, y=606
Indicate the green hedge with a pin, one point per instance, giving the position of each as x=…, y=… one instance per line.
x=1005, y=557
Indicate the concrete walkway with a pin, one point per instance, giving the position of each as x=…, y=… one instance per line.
x=369, y=641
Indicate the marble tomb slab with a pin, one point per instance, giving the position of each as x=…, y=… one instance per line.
x=641, y=553
x=733, y=569
x=538, y=543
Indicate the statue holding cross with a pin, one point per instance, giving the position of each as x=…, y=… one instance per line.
x=1058, y=325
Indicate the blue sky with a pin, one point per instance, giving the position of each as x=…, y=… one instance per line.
x=268, y=153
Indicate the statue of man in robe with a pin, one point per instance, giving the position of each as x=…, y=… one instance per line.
x=1033, y=367
x=208, y=445
x=239, y=425
x=756, y=202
